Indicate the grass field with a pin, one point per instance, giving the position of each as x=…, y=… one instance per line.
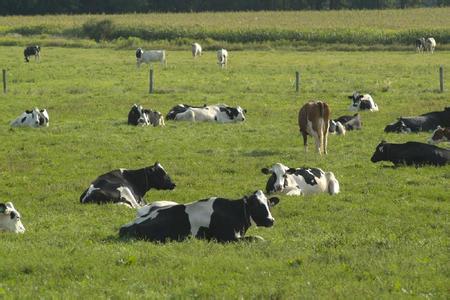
x=384, y=236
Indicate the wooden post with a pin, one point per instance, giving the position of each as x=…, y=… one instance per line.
x=151, y=81
x=441, y=78
x=4, y=81
x=297, y=81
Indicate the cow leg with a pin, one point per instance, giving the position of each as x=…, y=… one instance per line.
x=305, y=141
x=251, y=238
x=127, y=196
x=319, y=140
x=325, y=139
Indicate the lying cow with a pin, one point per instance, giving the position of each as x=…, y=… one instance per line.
x=440, y=135
x=150, y=56
x=32, y=50
x=196, y=50
x=300, y=181
x=345, y=123
x=32, y=118
x=313, y=120
x=127, y=187
x=411, y=153
x=420, y=44
x=215, y=218
x=430, y=44
x=426, y=122
x=362, y=102
x=220, y=113
x=222, y=57
x=10, y=218
x=143, y=117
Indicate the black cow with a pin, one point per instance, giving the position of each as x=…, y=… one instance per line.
x=32, y=50
x=411, y=153
x=215, y=218
x=127, y=186
x=426, y=122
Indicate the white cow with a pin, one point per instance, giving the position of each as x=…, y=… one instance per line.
x=10, y=218
x=150, y=56
x=220, y=113
x=196, y=50
x=32, y=118
x=222, y=57
x=430, y=44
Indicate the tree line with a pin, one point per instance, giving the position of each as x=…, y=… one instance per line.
x=31, y=7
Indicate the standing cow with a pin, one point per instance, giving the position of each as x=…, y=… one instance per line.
x=420, y=44
x=313, y=120
x=222, y=57
x=430, y=44
x=32, y=50
x=196, y=50
x=150, y=56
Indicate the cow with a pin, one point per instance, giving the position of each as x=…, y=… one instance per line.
x=222, y=57
x=411, y=153
x=299, y=181
x=362, y=102
x=127, y=187
x=150, y=56
x=420, y=44
x=220, y=113
x=441, y=134
x=32, y=118
x=313, y=120
x=140, y=116
x=425, y=122
x=196, y=50
x=213, y=219
x=430, y=44
x=345, y=123
x=10, y=218
x=32, y=50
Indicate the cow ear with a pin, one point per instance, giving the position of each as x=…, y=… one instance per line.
x=245, y=111
x=266, y=171
x=350, y=97
x=273, y=201
x=291, y=171
x=2, y=207
x=156, y=164
x=383, y=142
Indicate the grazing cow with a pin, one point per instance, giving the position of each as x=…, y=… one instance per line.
x=218, y=219
x=196, y=50
x=441, y=134
x=220, y=113
x=345, y=123
x=143, y=117
x=430, y=44
x=420, y=44
x=32, y=118
x=222, y=57
x=127, y=187
x=32, y=50
x=10, y=218
x=313, y=119
x=300, y=181
x=362, y=102
x=150, y=56
x=426, y=122
x=411, y=153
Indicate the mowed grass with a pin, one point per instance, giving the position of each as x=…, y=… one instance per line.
x=384, y=235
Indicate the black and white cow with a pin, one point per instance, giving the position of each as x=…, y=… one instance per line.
x=411, y=153
x=420, y=44
x=300, y=181
x=362, y=102
x=220, y=113
x=32, y=118
x=10, y=218
x=127, y=187
x=345, y=123
x=32, y=50
x=215, y=218
x=149, y=56
x=143, y=117
x=426, y=122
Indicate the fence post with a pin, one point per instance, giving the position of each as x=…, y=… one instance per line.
x=4, y=81
x=150, y=90
x=297, y=81
x=441, y=78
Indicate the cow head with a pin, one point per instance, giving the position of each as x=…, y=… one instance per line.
x=138, y=116
x=439, y=135
x=381, y=152
x=356, y=99
x=43, y=117
x=259, y=208
x=139, y=53
x=159, y=179
x=10, y=218
x=399, y=127
x=278, y=179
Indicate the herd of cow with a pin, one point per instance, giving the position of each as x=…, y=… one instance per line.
x=223, y=219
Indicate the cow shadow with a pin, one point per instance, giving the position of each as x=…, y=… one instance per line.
x=261, y=153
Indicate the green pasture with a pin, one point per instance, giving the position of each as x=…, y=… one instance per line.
x=386, y=235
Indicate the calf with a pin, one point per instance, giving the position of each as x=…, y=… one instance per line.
x=430, y=44
x=32, y=118
x=362, y=102
x=420, y=44
x=220, y=113
x=196, y=50
x=313, y=120
x=300, y=181
x=218, y=219
x=150, y=56
x=345, y=123
x=411, y=153
x=222, y=57
x=127, y=187
x=143, y=117
x=10, y=218
x=440, y=135
x=425, y=122
x=32, y=50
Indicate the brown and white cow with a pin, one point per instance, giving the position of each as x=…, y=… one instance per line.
x=313, y=120
x=441, y=134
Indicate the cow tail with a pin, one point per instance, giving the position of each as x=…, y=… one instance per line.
x=333, y=184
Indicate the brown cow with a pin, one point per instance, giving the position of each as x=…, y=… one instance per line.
x=313, y=119
x=441, y=134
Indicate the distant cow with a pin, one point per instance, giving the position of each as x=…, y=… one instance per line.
x=218, y=219
x=411, y=153
x=300, y=181
x=441, y=134
x=313, y=120
x=10, y=218
x=426, y=122
x=32, y=50
x=143, y=117
x=345, y=123
x=127, y=187
x=420, y=44
x=32, y=118
x=362, y=102
x=150, y=56
x=220, y=113
x=430, y=44
x=222, y=57
x=196, y=50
